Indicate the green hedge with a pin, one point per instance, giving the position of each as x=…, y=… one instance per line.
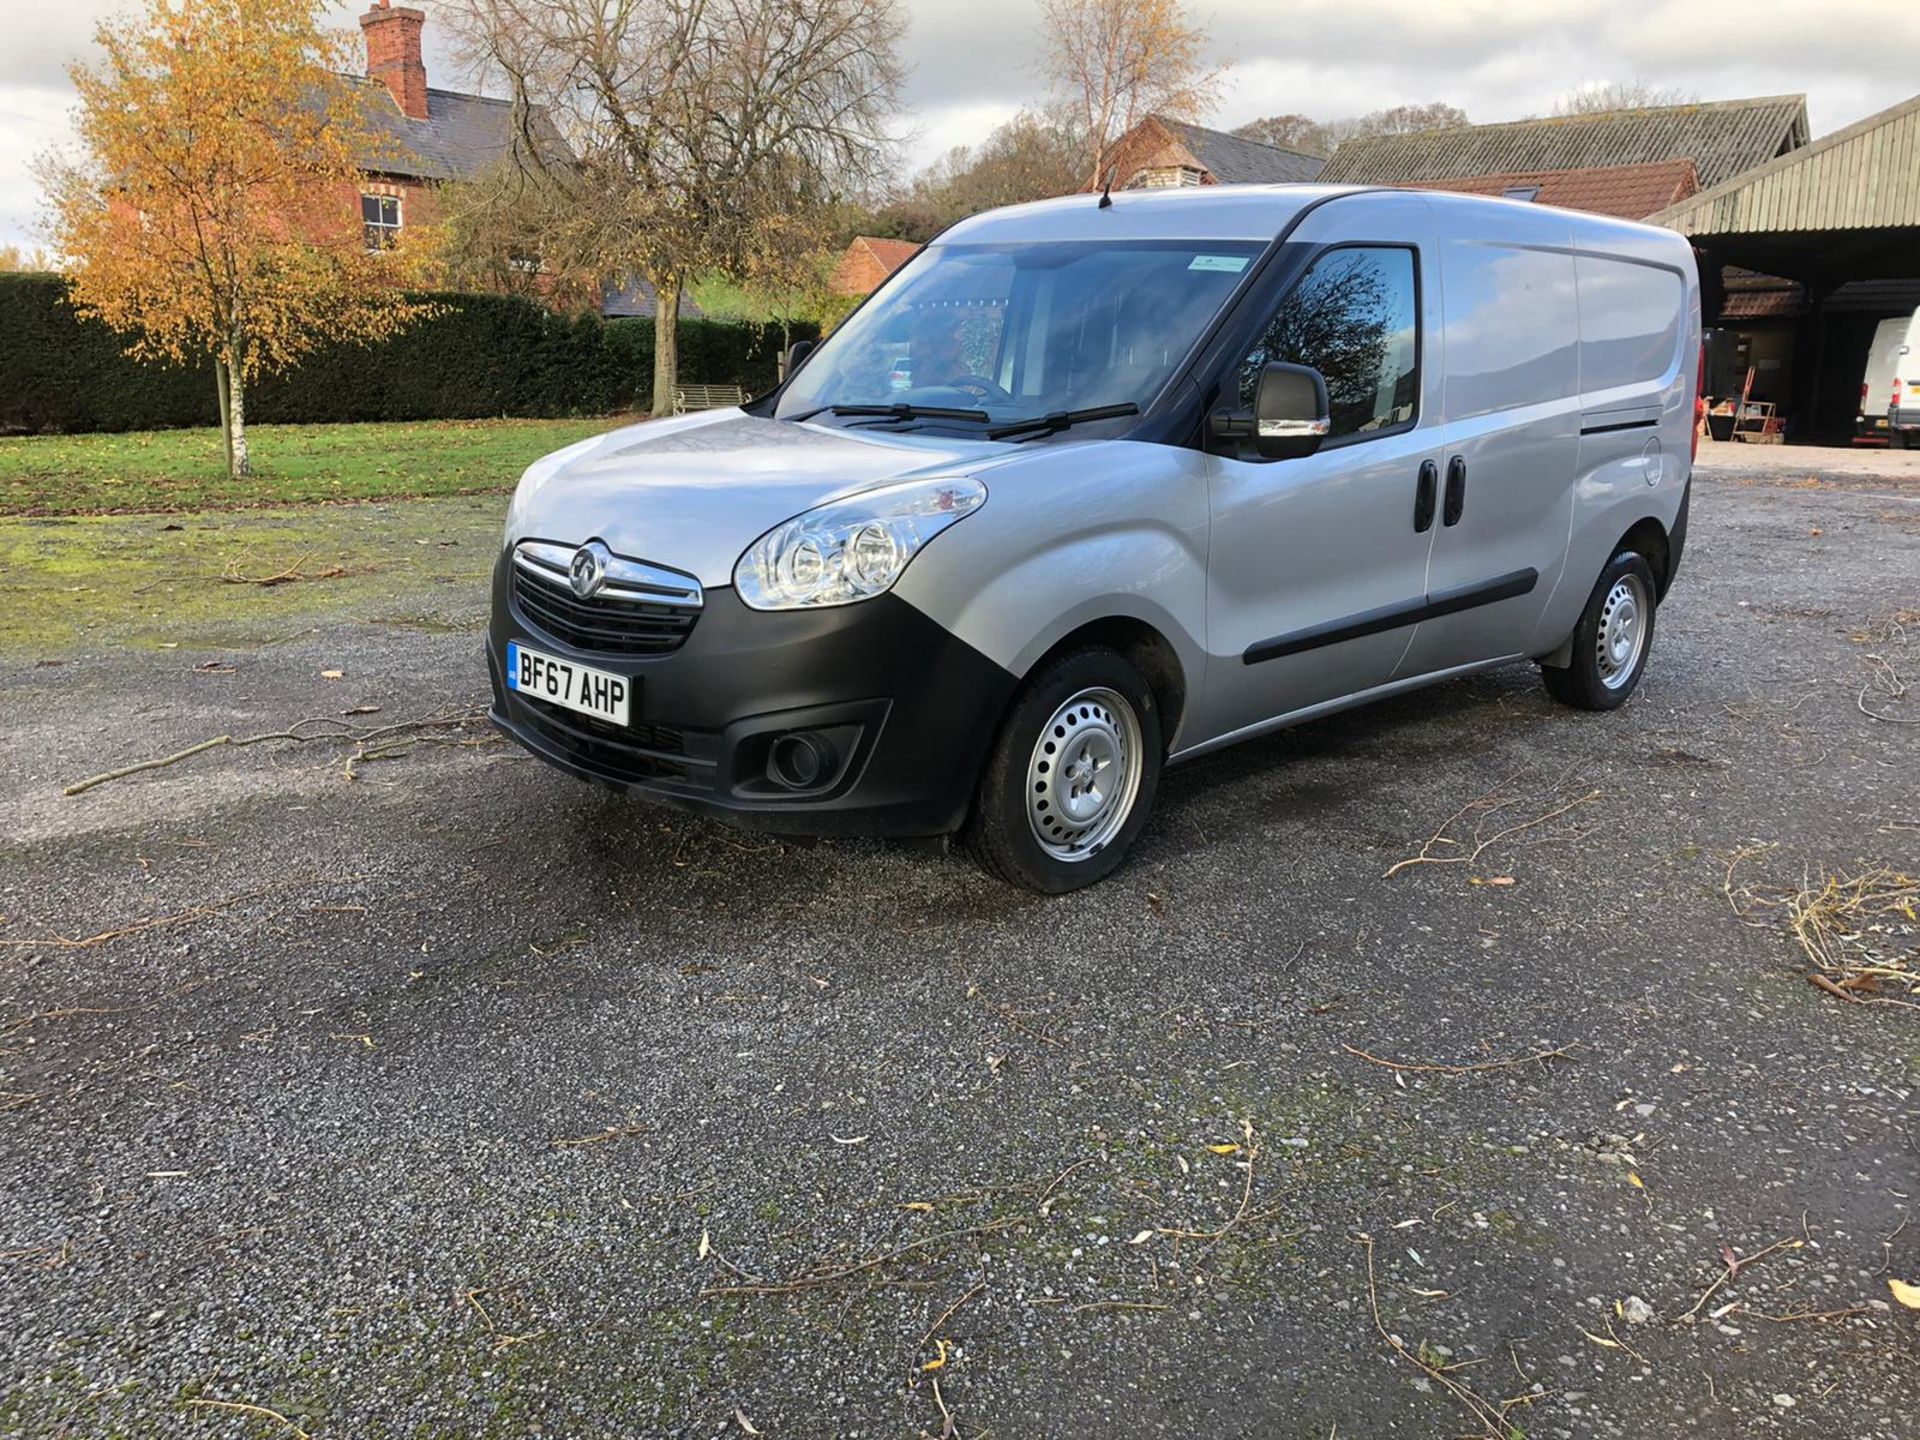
x=483, y=355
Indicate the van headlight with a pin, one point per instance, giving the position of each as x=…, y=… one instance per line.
x=850, y=549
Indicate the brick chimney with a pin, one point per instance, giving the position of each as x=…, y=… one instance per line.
x=393, y=54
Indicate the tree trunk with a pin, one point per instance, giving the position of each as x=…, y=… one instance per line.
x=239, y=465
x=226, y=422
x=666, y=342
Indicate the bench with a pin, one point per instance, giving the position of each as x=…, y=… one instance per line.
x=688, y=398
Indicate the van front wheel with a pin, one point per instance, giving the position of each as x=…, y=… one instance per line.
x=1610, y=644
x=1072, y=775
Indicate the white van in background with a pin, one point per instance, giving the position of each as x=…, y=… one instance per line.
x=1890, y=390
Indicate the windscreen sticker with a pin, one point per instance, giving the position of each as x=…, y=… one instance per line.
x=1230, y=264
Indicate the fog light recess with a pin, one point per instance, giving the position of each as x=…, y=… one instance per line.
x=802, y=760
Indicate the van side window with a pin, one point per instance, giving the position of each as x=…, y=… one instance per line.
x=1354, y=318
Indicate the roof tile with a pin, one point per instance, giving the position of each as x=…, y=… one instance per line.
x=462, y=137
x=1722, y=138
x=1234, y=160
x=1631, y=192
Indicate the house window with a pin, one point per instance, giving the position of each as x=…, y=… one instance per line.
x=1166, y=177
x=1522, y=192
x=380, y=214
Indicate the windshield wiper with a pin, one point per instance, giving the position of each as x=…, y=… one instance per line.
x=897, y=412
x=1060, y=420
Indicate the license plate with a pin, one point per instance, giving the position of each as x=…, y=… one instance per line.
x=598, y=693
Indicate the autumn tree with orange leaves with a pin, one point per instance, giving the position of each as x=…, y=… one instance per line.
x=211, y=213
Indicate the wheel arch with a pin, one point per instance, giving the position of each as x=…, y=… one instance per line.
x=1649, y=539
x=1147, y=650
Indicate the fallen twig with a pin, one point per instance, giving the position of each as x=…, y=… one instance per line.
x=1214, y=1237
x=612, y=1132
x=948, y=1313
x=1804, y=1314
x=1734, y=1264
x=1483, y=808
x=810, y=1279
x=1492, y=1419
x=232, y=576
x=156, y=922
x=313, y=727
x=1884, y=683
x=1848, y=927
x=1119, y=1305
x=1434, y=1069
x=245, y=1409
x=948, y=1428
x=502, y=1341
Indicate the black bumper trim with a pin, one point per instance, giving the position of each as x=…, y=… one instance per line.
x=912, y=708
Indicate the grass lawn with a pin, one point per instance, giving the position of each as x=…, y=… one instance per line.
x=95, y=584
x=151, y=470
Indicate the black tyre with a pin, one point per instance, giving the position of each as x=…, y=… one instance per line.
x=1612, y=640
x=1072, y=775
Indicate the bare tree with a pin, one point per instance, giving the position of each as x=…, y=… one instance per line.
x=1289, y=132
x=1637, y=94
x=1117, y=61
x=1298, y=132
x=1035, y=155
x=700, y=135
x=1397, y=120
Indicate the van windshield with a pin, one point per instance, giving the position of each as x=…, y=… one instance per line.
x=1018, y=331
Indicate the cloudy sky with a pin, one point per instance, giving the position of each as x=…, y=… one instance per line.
x=971, y=65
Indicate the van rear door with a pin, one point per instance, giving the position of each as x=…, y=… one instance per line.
x=1876, y=383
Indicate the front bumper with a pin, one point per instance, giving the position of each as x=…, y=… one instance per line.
x=909, y=709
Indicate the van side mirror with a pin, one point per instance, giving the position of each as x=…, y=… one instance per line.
x=796, y=352
x=1290, y=415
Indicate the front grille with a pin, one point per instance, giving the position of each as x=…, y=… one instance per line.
x=639, y=752
x=642, y=610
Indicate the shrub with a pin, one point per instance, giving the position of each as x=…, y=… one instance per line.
x=480, y=356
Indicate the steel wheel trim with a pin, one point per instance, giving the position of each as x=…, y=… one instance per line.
x=1622, y=636
x=1084, y=775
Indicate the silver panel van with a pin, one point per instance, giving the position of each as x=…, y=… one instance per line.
x=1091, y=487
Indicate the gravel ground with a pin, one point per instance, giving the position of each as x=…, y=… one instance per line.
x=461, y=1100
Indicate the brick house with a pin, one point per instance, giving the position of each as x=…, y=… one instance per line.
x=1161, y=153
x=428, y=136
x=869, y=260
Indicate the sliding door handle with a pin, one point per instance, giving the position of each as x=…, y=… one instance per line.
x=1424, y=496
x=1456, y=490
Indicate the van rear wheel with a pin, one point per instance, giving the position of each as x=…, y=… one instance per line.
x=1072, y=775
x=1610, y=644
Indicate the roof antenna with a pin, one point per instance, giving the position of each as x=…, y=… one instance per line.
x=1106, y=191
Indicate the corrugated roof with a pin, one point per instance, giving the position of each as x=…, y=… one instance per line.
x=1722, y=138
x=1235, y=160
x=1631, y=192
x=1866, y=176
x=462, y=137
